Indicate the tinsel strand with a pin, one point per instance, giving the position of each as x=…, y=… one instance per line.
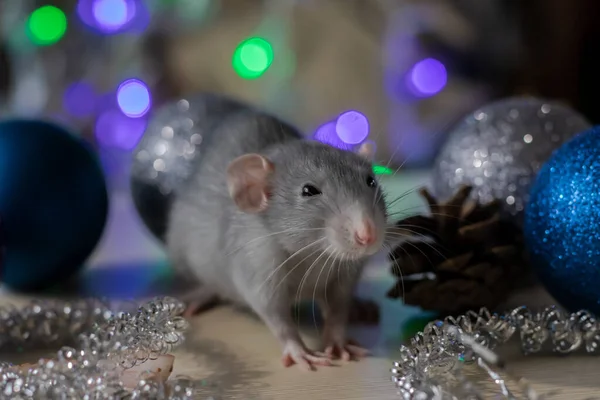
x=444, y=346
x=105, y=342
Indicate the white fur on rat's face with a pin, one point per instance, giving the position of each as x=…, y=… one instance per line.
x=326, y=199
x=358, y=231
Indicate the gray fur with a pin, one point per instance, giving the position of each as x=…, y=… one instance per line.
x=233, y=255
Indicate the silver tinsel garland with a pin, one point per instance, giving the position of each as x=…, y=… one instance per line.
x=431, y=366
x=104, y=343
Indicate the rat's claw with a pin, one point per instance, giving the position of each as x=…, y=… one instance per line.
x=347, y=351
x=306, y=359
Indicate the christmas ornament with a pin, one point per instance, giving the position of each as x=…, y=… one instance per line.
x=53, y=203
x=466, y=256
x=111, y=346
x=499, y=148
x=562, y=223
x=165, y=156
x=432, y=366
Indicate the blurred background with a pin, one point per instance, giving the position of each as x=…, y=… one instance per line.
x=411, y=68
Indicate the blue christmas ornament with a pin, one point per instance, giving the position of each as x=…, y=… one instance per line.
x=562, y=223
x=53, y=204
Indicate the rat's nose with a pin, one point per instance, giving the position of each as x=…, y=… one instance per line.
x=365, y=235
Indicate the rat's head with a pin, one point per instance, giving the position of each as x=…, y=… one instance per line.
x=314, y=195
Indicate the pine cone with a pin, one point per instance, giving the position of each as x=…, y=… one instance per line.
x=465, y=256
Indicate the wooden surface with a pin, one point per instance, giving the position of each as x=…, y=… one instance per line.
x=233, y=351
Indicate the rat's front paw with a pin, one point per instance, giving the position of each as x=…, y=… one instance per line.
x=345, y=349
x=296, y=353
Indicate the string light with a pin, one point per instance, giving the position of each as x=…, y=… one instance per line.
x=252, y=58
x=115, y=130
x=112, y=14
x=46, y=25
x=327, y=134
x=112, y=17
x=427, y=77
x=80, y=99
x=382, y=170
x=133, y=97
x=352, y=127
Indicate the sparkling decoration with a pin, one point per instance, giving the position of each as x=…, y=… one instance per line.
x=107, y=342
x=252, y=58
x=561, y=223
x=432, y=366
x=46, y=25
x=499, y=148
x=167, y=152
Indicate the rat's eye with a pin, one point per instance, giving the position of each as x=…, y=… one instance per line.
x=371, y=182
x=310, y=190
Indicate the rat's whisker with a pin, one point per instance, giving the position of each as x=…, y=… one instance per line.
x=404, y=195
x=299, y=263
x=276, y=270
x=425, y=242
x=333, y=266
x=414, y=151
x=397, y=268
x=270, y=235
x=402, y=228
x=306, y=276
x=314, y=295
x=423, y=253
x=450, y=216
x=387, y=165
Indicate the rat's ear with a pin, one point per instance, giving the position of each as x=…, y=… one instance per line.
x=366, y=150
x=247, y=181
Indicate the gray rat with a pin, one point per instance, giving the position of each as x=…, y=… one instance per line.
x=269, y=218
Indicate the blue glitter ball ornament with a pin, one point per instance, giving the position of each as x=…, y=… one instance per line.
x=53, y=204
x=562, y=223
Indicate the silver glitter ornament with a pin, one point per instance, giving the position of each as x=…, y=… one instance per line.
x=432, y=366
x=499, y=148
x=166, y=154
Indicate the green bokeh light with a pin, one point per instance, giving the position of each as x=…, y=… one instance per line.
x=46, y=25
x=381, y=170
x=252, y=58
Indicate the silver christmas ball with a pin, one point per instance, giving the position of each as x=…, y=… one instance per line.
x=499, y=148
x=165, y=156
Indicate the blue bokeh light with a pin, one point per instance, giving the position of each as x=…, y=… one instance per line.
x=133, y=97
x=111, y=14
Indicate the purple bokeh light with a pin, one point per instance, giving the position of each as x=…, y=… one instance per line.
x=115, y=130
x=352, y=127
x=327, y=134
x=133, y=97
x=427, y=77
x=80, y=99
x=114, y=16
